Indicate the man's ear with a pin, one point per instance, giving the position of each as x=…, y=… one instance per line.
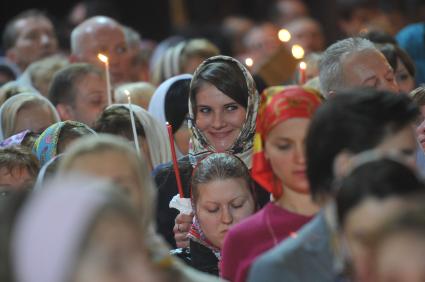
x=342, y=164
x=65, y=112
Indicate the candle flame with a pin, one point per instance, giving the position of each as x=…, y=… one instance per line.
x=303, y=65
x=102, y=57
x=249, y=62
x=297, y=51
x=284, y=35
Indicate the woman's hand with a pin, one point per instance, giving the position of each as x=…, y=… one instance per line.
x=181, y=229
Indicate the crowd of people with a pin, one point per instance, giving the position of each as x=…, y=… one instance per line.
x=176, y=161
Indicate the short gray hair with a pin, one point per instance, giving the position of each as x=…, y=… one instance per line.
x=330, y=66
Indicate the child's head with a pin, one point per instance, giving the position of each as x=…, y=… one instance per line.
x=222, y=195
x=18, y=168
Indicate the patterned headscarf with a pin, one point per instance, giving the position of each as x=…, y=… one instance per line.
x=16, y=139
x=46, y=145
x=278, y=104
x=242, y=147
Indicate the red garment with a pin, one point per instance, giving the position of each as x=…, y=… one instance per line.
x=255, y=235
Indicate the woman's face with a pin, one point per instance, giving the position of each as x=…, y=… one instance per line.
x=400, y=257
x=113, y=252
x=219, y=117
x=404, y=80
x=284, y=149
x=221, y=204
x=34, y=117
x=362, y=221
x=113, y=166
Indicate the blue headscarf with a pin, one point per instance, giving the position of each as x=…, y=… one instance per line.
x=412, y=39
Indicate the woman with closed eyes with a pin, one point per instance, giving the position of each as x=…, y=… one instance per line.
x=279, y=166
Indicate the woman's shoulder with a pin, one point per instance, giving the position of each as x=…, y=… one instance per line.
x=164, y=173
x=203, y=258
x=183, y=163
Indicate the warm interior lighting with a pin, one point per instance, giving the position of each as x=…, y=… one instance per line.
x=284, y=35
x=297, y=51
x=303, y=65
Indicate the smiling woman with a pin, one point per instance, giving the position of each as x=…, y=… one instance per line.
x=223, y=103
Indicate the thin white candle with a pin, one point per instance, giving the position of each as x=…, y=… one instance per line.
x=133, y=123
x=105, y=60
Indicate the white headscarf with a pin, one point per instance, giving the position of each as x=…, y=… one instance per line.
x=53, y=224
x=156, y=135
x=157, y=104
x=25, y=95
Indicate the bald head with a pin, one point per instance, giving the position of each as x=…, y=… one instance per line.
x=101, y=34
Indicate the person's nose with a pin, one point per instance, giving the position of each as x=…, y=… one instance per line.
x=300, y=154
x=226, y=216
x=45, y=39
x=218, y=121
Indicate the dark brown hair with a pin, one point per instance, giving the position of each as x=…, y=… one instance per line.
x=117, y=121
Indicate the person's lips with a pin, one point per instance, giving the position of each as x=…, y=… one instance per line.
x=220, y=134
x=300, y=172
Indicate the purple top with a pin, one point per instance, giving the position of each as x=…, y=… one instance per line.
x=254, y=236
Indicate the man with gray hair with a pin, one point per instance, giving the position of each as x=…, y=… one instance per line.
x=355, y=62
x=104, y=35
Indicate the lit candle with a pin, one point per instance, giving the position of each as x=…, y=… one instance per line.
x=133, y=123
x=301, y=73
x=105, y=60
x=249, y=62
x=174, y=157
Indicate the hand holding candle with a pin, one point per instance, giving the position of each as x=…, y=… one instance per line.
x=133, y=123
x=105, y=60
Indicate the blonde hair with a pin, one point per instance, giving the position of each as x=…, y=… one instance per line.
x=41, y=72
x=100, y=143
x=140, y=93
x=174, y=60
x=9, y=110
x=11, y=89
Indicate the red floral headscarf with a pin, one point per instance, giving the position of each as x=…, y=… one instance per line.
x=278, y=104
